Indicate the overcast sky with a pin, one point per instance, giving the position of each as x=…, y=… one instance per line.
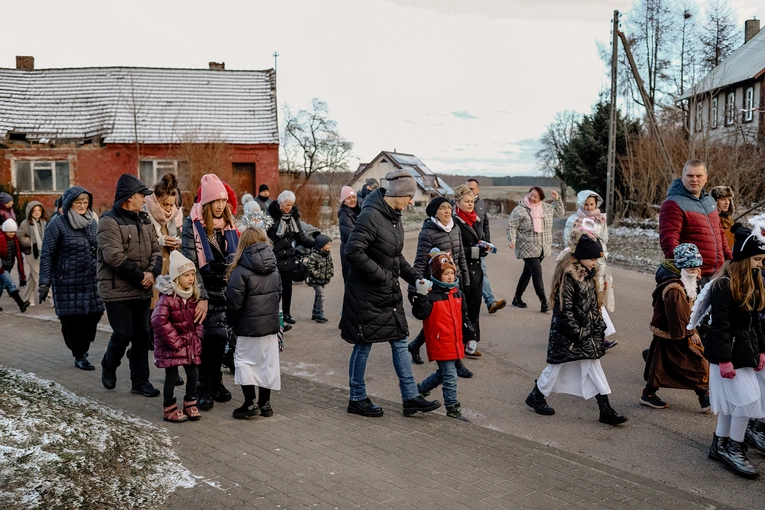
x=466, y=85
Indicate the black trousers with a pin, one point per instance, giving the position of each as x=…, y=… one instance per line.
x=79, y=331
x=249, y=395
x=474, y=296
x=130, y=324
x=532, y=271
x=213, y=350
x=171, y=375
x=286, y=291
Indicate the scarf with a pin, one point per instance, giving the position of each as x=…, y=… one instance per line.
x=669, y=264
x=173, y=219
x=79, y=221
x=536, y=212
x=446, y=228
x=286, y=224
x=595, y=215
x=444, y=284
x=37, y=243
x=183, y=294
x=202, y=243
x=470, y=218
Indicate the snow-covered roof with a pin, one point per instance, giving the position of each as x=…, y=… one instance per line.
x=745, y=63
x=154, y=105
x=424, y=176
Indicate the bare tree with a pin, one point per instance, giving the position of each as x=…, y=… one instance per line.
x=311, y=141
x=718, y=38
x=554, y=140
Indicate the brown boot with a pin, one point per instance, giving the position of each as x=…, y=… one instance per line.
x=190, y=409
x=174, y=415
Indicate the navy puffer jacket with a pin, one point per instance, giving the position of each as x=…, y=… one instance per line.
x=68, y=262
x=254, y=292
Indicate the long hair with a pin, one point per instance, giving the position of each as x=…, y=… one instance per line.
x=43, y=216
x=747, y=291
x=250, y=236
x=561, y=269
x=209, y=219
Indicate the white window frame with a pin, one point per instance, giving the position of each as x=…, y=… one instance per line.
x=749, y=104
x=730, y=108
x=699, y=116
x=713, y=113
x=40, y=162
x=157, y=171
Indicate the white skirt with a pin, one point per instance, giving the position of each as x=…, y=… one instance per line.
x=584, y=378
x=738, y=397
x=256, y=360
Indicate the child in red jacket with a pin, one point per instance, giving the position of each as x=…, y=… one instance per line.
x=177, y=338
x=442, y=308
x=10, y=252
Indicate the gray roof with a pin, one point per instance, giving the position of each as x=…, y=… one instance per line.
x=745, y=63
x=161, y=105
x=424, y=176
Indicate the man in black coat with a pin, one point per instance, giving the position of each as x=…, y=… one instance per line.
x=373, y=305
x=480, y=209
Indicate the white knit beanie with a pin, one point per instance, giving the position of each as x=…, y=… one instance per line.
x=179, y=264
x=10, y=226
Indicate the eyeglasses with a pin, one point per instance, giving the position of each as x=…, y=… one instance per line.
x=81, y=202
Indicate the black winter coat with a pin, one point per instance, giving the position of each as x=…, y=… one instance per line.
x=577, y=329
x=373, y=308
x=735, y=335
x=254, y=292
x=470, y=238
x=480, y=210
x=68, y=262
x=432, y=236
x=347, y=218
x=286, y=260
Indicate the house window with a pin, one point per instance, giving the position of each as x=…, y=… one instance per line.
x=730, y=106
x=713, y=113
x=699, y=115
x=42, y=175
x=150, y=171
x=749, y=104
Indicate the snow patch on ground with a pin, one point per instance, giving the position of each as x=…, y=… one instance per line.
x=60, y=450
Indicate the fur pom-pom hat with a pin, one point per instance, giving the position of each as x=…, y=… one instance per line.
x=439, y=262
x=586, y=245
x=719, y=192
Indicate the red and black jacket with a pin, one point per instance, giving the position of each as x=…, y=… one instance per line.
x=445, y=321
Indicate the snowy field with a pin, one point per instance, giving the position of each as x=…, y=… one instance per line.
x=59, y=450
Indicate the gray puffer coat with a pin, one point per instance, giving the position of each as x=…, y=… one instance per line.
x=433, y=236
x=68, y=262
x=577, y=329
x=254, y=292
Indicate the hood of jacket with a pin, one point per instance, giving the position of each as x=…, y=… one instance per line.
x=677, y=188
x=376, y=200
x=583, y=195
x=276, y=212
x=31, y=205
x=70, y=194
x=259, y=258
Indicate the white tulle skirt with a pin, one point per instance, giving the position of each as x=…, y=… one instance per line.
x=737, y=397
x=584, y=378
x=257, y=362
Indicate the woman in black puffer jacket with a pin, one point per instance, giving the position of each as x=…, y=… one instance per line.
x=577, y=330
x=439, y=231
x=347, y=215
x=286, y=230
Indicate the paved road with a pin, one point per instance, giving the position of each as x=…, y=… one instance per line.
x=313, y=453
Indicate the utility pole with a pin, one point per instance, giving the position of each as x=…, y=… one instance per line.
x=276, y=55
x=611, y=171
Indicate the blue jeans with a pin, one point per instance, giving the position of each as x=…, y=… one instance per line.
x=445, y=376
x=402, y=363
x=488, y=295
x=6, y=282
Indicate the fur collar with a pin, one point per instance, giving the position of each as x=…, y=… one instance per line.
x=577, y=271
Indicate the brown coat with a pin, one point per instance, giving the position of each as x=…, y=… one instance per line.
x=673, y=361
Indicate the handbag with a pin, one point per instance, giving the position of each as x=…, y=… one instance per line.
x=299, y=272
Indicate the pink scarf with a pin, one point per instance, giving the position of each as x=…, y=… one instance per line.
x=595, y=215
x=536, y=212
x=159, y=214
x=230, y=235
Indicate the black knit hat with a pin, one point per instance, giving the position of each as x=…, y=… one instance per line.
x=321, y=241
x=747, y=244
x=262, y=188
x=127, y=186
x=588, y=248
x=433, y=206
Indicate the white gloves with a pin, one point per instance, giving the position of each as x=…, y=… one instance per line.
x=423, y=286
x=471, y=347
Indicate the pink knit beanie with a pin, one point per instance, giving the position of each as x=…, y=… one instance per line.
x=346, y=192
x=212, y=189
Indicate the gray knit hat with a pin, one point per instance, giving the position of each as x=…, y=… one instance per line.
x=400, y=184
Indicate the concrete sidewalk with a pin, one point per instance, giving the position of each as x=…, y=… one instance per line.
x=312, y=454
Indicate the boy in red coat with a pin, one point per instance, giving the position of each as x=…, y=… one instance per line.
x=441, y=307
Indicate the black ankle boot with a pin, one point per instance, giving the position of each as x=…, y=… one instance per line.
x=462, y=370
x=607, y=413
x=755, y=435
x=414, y=350
x=545, y=307
x=23, y=305
x=518, y=302
x=718, y=444
x=735, y=457
x=536, y=401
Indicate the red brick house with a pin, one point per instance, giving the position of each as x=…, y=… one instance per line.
x=87, y=126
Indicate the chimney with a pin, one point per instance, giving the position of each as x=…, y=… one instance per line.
x=221, y=66
x=28, y=63
x=751, y=28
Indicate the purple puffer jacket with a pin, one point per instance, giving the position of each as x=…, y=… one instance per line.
x=177, y=340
